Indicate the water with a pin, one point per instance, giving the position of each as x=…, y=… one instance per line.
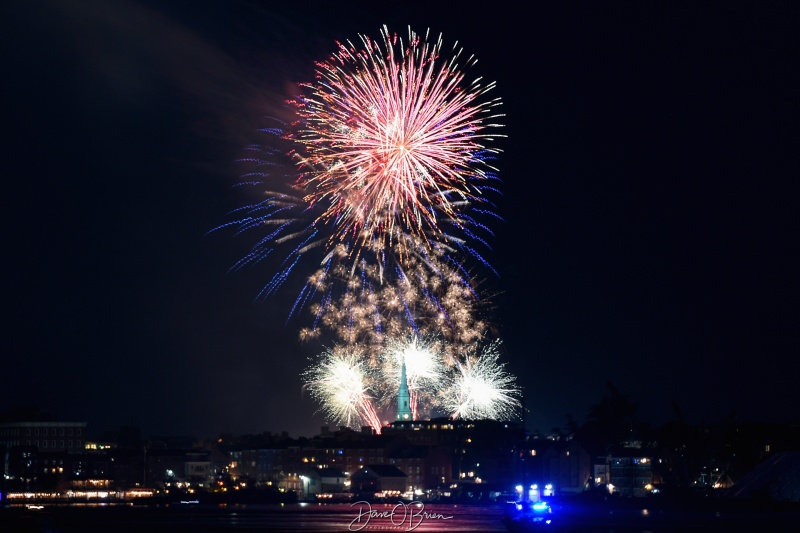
x=252, y=518
x=373, y=518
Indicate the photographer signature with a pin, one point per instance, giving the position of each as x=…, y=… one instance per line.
x=410, y=514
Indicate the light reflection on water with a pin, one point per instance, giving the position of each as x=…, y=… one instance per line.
x=345, y=517
x=274, y=518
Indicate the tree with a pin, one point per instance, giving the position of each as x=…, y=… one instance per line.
x=611, y=421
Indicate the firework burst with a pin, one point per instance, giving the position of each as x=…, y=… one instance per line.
x=428, y=297
x=341, y=383
x=391, y=193
x=425, y=371
x=393, y=139
x=383, y=180
x=351, y=387
x=480, y=388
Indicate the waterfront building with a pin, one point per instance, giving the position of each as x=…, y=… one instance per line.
x=50, y=436
x=384, y=480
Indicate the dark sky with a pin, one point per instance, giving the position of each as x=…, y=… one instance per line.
x=650, y=204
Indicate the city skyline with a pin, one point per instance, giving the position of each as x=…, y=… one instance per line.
x=649, y=235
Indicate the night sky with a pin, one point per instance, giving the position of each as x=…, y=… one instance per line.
x=650, y=234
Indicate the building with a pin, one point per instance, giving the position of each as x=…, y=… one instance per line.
x=630, y=473
x=327, y=481
x=563, y=464
x=480, y=451
x=381, y=480
x=48, y=436
x=38, y=454
x=403, y=397
x=254, y=466
x=426, y=467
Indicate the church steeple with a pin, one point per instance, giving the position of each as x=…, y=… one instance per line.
x=403, y=397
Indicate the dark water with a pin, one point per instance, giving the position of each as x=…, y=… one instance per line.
x=252, y=518
x=379, y=518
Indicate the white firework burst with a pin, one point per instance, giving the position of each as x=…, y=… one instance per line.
x=480, y=388
x=341, y=383
x=425, y=371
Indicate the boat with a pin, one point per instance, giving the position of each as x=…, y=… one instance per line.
x=527, y=516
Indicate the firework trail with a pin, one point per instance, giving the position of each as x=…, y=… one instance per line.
x=341, y=382
x=481, y=389
x=393, y=139
x=391, y=192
